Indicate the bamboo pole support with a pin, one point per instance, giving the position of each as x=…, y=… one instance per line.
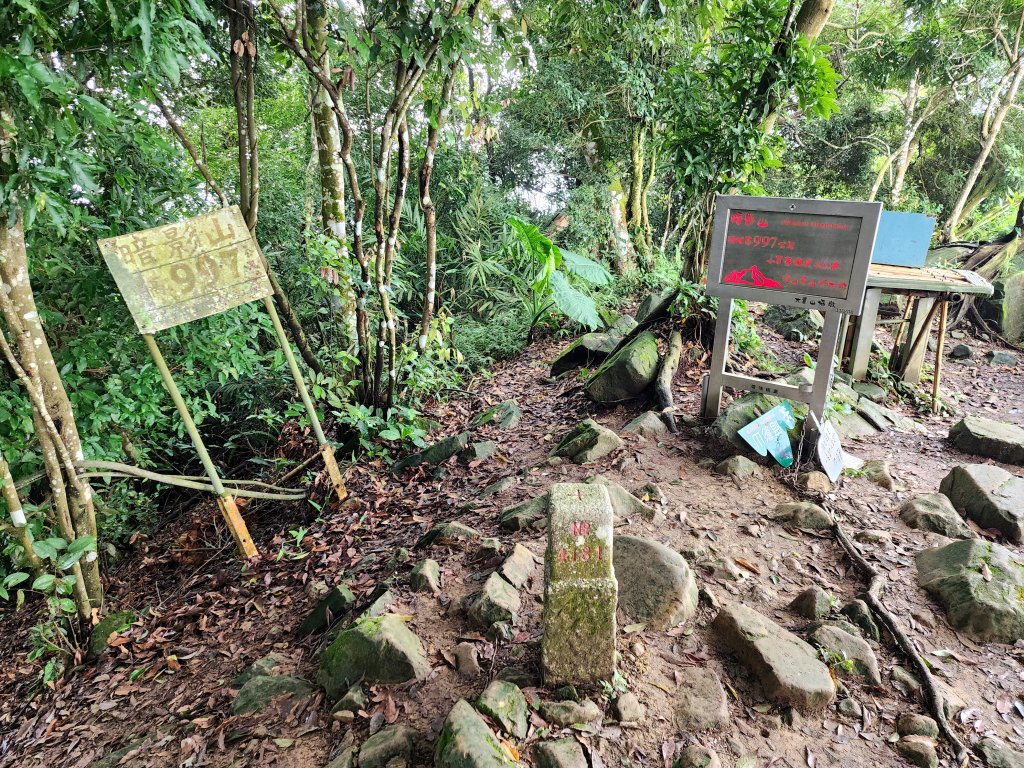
x=939, y=351
x=326, y=450
x=225, y=501
x=898, y=335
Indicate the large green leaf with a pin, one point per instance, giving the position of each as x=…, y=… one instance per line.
x=574, y=304
x=586, y=268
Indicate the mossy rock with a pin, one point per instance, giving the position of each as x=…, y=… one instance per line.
x=259, y=691
x=382, y=650
x=627, y=373
x=114, y=622
x=466, y=742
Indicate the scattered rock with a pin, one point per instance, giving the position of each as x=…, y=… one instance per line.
x=803, y=514
x=625, y=505
x=260, y=668
x=466, y=742
x=490, y=547
x=987, y=437
x=108, y=625
x=506, y=415
x=258, y=692
x=587, y=442
x=648, y=424
x=794, y=324
x=498, y=487
x=988, y=495
x=851, y=425
x=872, y=392
x=563, y=753
x=744, y=410
x=701, y=703
x=812, y=603
x=878, y=473
x=497, y=601
x=466, y=662
x=875, y=415
x=919, y=752
x=479, y=451
x=850, y=708
x=334, y=604
x=655, y=305
x=980, y=584
x=858, y=612
x=656, y=585
x=846, y=654
x=380, y=650
x=787, y=667
x=913, y=724
x=814, y=481
x=996, y=754
x=532, y=513
x=435, y=454
x=623, y=325
x=961, y=352
x=380, y=605
x=518, y=566
x=426, y=577
x=353, y=701
x=739, y=467
x=389, y=742
x=934, y=512
x=874, y=536
x=696, y=756
x=627, y=373
x=566, y=713
x=504, y=703
x=628, y=708
x=998, y=357
x=448, y=534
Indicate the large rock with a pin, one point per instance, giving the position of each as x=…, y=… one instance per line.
x=437, y=453
x=589, y=349
x=995, y=754
x=744, y=410
x=852, y=425
x=847, y=654
x=656, y=585
x=466, y=742
x=787, y=667
x=382, y=650
x=986, y=437
x=934, y=512
x=563, y=753
x=504, y=703
x=648, y=424
x=988, y=495
x=794, y=324
x=701, y=703
x=588, y=441
x=981, y=585
x=258, y=692
x=656, y=305
x=627, y=373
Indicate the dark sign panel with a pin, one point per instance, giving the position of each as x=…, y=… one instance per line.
x=793, y=252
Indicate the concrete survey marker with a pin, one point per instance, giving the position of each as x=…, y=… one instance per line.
x=181, y=272
x=580, y=594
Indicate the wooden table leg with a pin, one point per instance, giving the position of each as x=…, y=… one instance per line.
x=913, y=349
x=864, y=334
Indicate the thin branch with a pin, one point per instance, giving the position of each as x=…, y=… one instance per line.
x=189, y=147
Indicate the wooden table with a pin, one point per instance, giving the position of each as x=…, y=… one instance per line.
x=929, y=291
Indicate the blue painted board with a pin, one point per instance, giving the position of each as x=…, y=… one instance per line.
x=903, y=239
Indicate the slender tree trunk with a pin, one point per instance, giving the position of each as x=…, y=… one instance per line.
x=637, y=153
x=988, y=134
x=34, y=349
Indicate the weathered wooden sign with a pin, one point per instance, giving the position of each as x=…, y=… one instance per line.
x=185, y=271
x=813, y=253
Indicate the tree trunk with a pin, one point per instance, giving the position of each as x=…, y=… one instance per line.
x=35, y=352
x=988, y=133
x=637, y=157
x=909, y=131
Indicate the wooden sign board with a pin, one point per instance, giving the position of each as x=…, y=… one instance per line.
x=185, y=271
x=808, y=253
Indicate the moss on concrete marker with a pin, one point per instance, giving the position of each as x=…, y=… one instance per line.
x=580, y=593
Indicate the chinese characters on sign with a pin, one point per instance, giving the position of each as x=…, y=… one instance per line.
x=772, y=250
x=185, y=271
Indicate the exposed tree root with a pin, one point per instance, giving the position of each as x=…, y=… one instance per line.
x=876, y=583
x=663, y=384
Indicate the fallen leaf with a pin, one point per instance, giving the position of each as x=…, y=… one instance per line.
x=748, y=565
x=986, y=574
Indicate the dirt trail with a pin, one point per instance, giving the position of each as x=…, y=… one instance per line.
x=205, y=619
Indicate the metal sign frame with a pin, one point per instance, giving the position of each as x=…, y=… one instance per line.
x=816, y=394
x=868, y=213
x=186, y=251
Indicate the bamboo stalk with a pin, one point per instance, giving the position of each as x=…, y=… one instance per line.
x=940, y=348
